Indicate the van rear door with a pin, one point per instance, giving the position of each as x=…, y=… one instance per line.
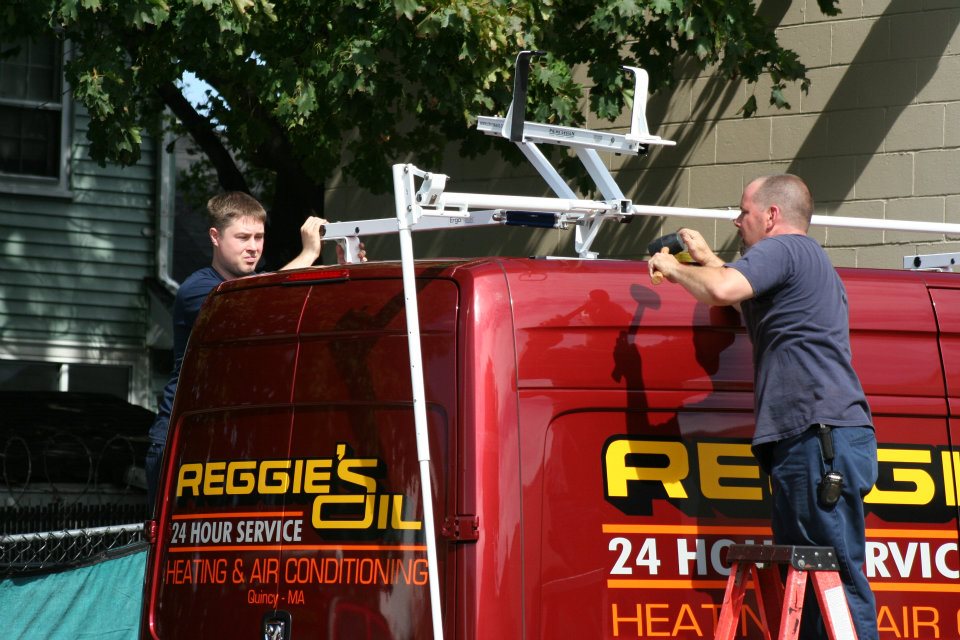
x=223, y=490
x=358, y=570
x=293, y=495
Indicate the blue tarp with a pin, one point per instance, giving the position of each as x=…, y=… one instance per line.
x=100, y=601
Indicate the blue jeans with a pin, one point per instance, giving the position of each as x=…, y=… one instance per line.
x=796, y=467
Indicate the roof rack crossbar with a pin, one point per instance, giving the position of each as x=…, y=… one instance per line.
x=585, y=142
x=453, y=210
x=932, y=262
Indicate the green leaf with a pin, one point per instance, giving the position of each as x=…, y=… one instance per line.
x=777, y=98
x=829, y=7
x=69, y=11
x=661, y=6
x=405, y=8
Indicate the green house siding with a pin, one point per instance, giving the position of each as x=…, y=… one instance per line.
x=72, y=269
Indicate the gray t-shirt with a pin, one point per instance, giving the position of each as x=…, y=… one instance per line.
x=799, y=327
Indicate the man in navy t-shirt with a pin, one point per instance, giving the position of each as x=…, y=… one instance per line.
x=236, y=233
x=808, y=399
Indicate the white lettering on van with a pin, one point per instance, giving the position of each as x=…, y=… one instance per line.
x=912, y=560
x=262, y=531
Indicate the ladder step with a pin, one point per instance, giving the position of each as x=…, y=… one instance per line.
x=799, y=557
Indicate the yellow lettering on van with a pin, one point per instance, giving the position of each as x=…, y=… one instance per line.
x=713, y=472
x=297, y=476
x=241, y=480
x=670, y=475
x=951, y=476
x=346, y=473
x=923, y=484
x=213, y=479
x=189, y=477
x=364, y=522
x=274, y=477
x=396, y=517
x=315, y=480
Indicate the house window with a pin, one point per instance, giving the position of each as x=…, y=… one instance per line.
x=21, y=375
x=34, y=114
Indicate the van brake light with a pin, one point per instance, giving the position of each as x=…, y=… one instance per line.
x=318, y=276
x=150, y=529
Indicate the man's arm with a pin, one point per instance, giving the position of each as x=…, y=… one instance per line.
x=311, y=236
x=714, y=285
x=312, y=242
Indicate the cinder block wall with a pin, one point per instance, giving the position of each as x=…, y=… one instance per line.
x=878, y=135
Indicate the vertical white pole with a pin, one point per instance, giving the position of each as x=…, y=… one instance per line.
x=403, y=189
x=63, y=377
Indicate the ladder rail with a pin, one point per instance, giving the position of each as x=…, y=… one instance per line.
x=833, y=603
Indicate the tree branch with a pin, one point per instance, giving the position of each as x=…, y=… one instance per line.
x=201, y=130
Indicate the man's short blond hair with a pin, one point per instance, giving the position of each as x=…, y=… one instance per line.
x=226, y=208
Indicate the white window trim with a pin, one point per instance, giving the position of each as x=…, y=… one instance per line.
x=141, y=391
x=20, y=184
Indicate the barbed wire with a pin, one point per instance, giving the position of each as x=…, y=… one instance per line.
x=63, y=457
x=29, y=553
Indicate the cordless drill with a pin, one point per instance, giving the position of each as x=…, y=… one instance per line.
x=671, y=243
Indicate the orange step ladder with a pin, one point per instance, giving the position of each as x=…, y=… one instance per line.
x=782, y=604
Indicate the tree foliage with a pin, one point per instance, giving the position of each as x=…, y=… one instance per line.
x=303, y=86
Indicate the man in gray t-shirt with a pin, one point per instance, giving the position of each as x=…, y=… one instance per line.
x=797, y=320
x=807, y=396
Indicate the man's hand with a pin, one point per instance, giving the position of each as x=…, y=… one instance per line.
x=698, y=248
x=311, y=237
x=662, y=265
x=342, y=258
x=713, y=283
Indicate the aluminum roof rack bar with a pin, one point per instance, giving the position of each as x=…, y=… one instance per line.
x=526, y=135
x=932, y=262
x=517, y=130
x=431, y=208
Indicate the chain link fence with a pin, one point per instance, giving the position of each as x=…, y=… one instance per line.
x=30, y=553
x=52, y=537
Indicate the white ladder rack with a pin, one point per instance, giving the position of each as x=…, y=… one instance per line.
x=429, y=206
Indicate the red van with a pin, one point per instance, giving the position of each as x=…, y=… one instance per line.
x=590, y=456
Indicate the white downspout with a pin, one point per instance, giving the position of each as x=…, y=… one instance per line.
x=166, y=163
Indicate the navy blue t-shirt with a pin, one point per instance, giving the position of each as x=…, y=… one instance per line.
x=799, y=327
x=186, y=307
